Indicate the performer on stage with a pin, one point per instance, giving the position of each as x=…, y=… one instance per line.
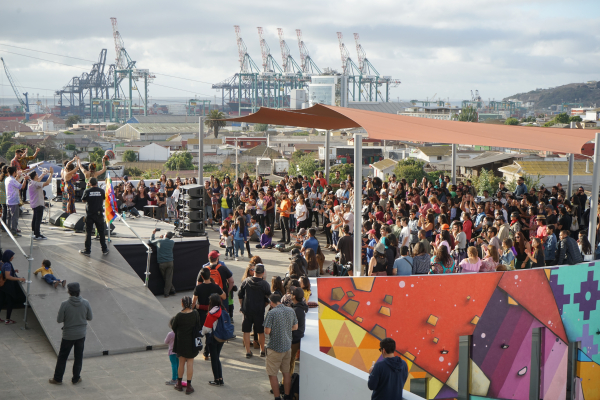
x=69, y=181
x=94, y=199
x=91, y=171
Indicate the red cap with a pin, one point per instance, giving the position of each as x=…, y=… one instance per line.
x=213, y=255
x=372, y=232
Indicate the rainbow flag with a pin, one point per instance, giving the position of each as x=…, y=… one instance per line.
x=110, y=201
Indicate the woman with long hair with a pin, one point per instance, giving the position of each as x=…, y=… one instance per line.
x=171, y=203
x=442, y=262
x=536, y=254
x=69, y=181
x=277, y=285
x=213, y=344
x=585, y=247
x=240, y=236
x=472, y=263
x=183, y=326
x=313, y=264
x=91, y=172
x=326, y=223
x=491, y=260
x=216, y=196
x=522, y=246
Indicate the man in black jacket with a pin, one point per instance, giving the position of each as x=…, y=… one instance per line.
x=567, y=251
x=388, y=376
x=94, y=209
x=300, y=308
x=253, y=295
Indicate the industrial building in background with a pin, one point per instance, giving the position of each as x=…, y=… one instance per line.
x=287, y=85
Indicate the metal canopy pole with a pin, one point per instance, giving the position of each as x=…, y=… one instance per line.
x=570, y=177
x=327, y=133
x=594, y=195
x=357, y=254
x=201, y=151
x=454, y=164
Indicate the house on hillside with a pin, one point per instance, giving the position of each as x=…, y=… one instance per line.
x=384, y=168
x=261, y=151
x=435, y=154
x=156, y=132
x=153, y=152
x=490, y=161
x=551, y=172
x=14, y=126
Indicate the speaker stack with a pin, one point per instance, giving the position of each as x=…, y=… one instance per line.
x=192, y=203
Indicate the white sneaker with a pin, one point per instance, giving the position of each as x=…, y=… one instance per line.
x=226, y=258
x=236, y=259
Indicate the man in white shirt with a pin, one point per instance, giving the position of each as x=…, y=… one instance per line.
x=37, y=201
x=13, y=187
x=404, y=238
x=342, y=194
x=348, y=218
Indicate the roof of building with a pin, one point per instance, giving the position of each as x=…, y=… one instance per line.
x=486, y=158
x=262, y=151
x=433, y=151
x=547, y=168
x=205, y=141
x=383, y=107
x=163, y=119
x=13, y=126
x=51, y=117
x=164, y=128
x=307, y=146
x=384, y=164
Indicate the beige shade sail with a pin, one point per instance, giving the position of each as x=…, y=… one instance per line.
x=399, y=127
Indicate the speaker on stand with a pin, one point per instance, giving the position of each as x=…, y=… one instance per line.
x=192, y=212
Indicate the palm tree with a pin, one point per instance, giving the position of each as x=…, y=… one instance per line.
x=215, y=121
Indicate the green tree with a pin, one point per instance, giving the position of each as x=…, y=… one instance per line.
x=296, y=156
x=468, y=114
x=530, y=181
x=434, y=176
x=562, y=118
x=261, y=127
x=73, y=119
x=113, y=127
x=301, y=133
x=152, y=174
x=307, y=165
x=486, y=180
x=215, y=121
x=410, y=169
x=180, y=161
x=575, y=118
x=96, y=157
x=511, y=121
x=68, y=133
x=129, y=156
x=345, y=170
x=10, y=153
x=133, y=172
x=70, y=146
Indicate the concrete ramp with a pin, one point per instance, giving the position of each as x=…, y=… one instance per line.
x=127, y=317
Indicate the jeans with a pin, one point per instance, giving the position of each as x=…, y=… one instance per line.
x=49, y=278
x=97, y=221
x=13, y=217
x=284, y=224
x=260, y=218
x=4, y=212
x=270, y=221
x=225, y=213
x=208, y=213
x=238, y=244
x=229, y=251
x=63, y=354
x=214, y=350
x=166, y=270
x=174, y=366
x=335, y=236
x=36, y=221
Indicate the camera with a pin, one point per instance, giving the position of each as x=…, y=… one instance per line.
x=157, y=229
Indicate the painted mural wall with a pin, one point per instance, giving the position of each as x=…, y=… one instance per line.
x=426, y=315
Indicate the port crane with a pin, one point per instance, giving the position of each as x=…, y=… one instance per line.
x=24, y=104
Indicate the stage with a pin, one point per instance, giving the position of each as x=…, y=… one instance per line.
x=127, y=317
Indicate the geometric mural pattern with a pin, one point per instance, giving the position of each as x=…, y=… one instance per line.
x=426, y=315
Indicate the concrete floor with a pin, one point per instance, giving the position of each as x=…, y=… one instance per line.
x=27, y=359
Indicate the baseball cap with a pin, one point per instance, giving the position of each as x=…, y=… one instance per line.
x=302, y=231
x=445, y=227
x=372, y=232
x=213, y=255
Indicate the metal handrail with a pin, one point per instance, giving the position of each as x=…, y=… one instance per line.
x=29, y=258
x=148, y=250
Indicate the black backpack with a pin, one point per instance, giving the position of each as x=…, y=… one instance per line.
x=295, y=389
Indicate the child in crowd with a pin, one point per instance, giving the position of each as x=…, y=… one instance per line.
x=169, y=341
x=48, y=274
x=305, y=285
x=266, y=239
x=508, y=256
x=228, y=245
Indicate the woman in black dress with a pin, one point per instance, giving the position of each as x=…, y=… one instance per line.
x=183, y=326
x=8, y=292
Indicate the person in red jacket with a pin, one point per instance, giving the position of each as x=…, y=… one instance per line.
x=214, y=345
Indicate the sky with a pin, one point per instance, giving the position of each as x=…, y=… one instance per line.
x=442, y=48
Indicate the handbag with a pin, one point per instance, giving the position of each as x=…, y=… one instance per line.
x=197, y=334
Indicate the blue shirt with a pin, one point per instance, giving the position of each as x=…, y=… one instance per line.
x=521, y=190
x=311, y=243
x=550, y=248
x=478, y=220
x=403, y=266
x=372, y=243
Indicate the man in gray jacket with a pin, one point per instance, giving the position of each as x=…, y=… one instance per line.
x=164, y=257
x=74, y=314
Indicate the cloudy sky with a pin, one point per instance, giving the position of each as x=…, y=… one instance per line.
x=446, y=48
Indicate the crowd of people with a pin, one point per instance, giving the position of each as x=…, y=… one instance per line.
x=427, y=227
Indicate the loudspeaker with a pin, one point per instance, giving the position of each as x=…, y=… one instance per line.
x=192, y=203
x=75, y=222
x=55, y=219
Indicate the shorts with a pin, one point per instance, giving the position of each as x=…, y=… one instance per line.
x=256, y=319
x=278, y=362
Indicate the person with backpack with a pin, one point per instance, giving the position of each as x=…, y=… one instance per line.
x=220, y=274
x=217, y=328
x=253, y=296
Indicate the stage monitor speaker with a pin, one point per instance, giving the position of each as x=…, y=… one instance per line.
x=195, y=215
x=75, y=222
x=194, y=191
x=195, y=227
x=55, y=218
x=192, y=201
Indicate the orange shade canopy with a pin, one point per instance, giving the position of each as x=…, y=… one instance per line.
x=385, y=126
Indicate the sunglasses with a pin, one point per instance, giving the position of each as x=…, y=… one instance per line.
x=251, y=269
